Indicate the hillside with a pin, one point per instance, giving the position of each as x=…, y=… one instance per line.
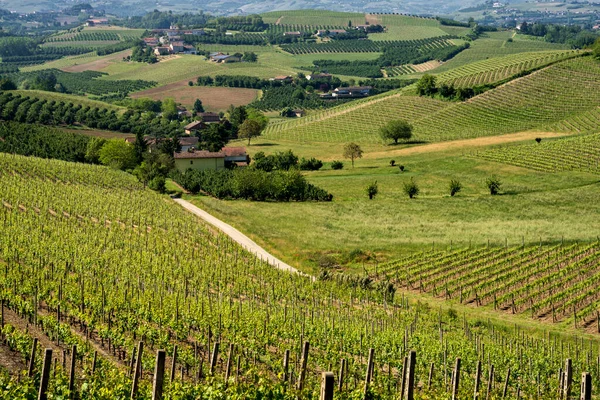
x=536, y=101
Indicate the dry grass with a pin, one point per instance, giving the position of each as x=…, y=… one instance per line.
x=213, y=98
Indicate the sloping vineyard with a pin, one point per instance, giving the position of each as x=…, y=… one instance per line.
x=581, y=153
x=557, y=93
x=91, y=259
x=365, y=46
x=557, y=282
x=497, y=69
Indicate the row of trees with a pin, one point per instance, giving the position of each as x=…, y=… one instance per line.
x=572, y=35
x=412, y=190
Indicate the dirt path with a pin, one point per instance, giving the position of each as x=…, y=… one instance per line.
x=278, y=22
x=239, y=237
x=464, y=144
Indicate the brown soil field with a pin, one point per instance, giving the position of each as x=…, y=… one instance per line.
x=99, y=64
x=213, y=98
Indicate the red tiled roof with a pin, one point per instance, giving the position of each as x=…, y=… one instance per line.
x=234, y=151
x=194, y=125
x=186, y=155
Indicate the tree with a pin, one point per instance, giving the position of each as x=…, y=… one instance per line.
x=256, y=115
x=7, y=84
x=285, y=160
x=352, y=151
x=396, y=130
x=169, y=109
x=372, y=190
x=118, y=154
x=213, y=138
x=140, y=146
x=249, y=129
x=155, y=165
x=426, y=85
x=493, y=184
x=249, y=56
x=236, y=115
x=198, y=107
x=455, y=187
x=92, y=154
x=411, y=189
x=596, y=49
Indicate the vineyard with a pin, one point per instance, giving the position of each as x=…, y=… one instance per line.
x=580, y=153
x=365, y=46
x=313, y=17
x=557, y=282
x=497, y=69
x=97, y=267
x=546, y=97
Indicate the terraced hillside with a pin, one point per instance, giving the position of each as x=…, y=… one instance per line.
x=546, y=97
x=557, y=282
x=581, y=153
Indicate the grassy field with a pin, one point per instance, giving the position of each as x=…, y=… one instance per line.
x=400, y=27
x=533, y=205
x=213, y=98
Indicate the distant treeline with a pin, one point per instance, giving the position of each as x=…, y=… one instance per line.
x=573, y=35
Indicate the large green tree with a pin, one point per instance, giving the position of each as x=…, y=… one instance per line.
x=395, y=130
x=118, y=154
x=249, y=129
x=426, y=86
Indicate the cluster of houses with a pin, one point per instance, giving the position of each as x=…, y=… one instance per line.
x=93, y=21
x=327, y=33
x=351, y=92
x=170, y=41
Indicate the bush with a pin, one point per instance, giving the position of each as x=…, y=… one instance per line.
x=337, y=165
x=372, y=190
x=158, y=184
x=455, y=187
x=539, y=140
x=493, y=184
x=311, y=164
x=401, y=167
x=392, y=163
x=411, y=189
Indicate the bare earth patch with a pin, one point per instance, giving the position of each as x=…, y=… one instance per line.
x=372, y=19
x=463, y=144
x=427, y=66
x=213, y=98
x=98, y=65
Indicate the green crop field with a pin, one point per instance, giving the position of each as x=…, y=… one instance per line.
x=67, y=98
x=313, y=18
x=534, y=101
x=581, y=153
x=399, y=27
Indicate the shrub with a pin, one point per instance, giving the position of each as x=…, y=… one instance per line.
x=538, y=139
x=411, y=189
x=396, y=130
x=372, y=190
x=311, y=164
x=337, y=165
x=493, y=184
x=392, y=163
x=327, y=261
x=455, y=187
x=158, y=184
x=401, y=167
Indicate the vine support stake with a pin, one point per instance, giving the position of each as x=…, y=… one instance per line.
x=490, y=383
x=228, y=368
x=138, y=371
x=32, y=358
x=159, y=375
x=174, y=363
x=568, y=379
x=42, y=395
x=456, y=379
x=341, y=377
x=72, y=371
x=327, y=384
x=286, y=365
x=477, y=381
x=506, y=382
x=410, y=375
x=213, y=359
x=586, y=386
x=303, y=362
x=431, y=367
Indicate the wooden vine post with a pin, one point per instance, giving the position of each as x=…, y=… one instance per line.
x=488, y=393
x=327, y=384
x=42, y=395
x=568, y=379
x=341, y=376
x=403, y=376
x=229, y=359
x=506, y=382
x=586, y=386
x=213, y=359
x=286, y=365
x=430, y=379
x=137, y=371
x=410, y=376
x=72, y=371
x=477, y=381
x=32, y=358
x=369, y=373
x=303, y=362
x=159, y=375
x=456, y=379
x=173, y=364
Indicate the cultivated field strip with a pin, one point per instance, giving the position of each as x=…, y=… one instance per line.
x=559, y=282
x=546, y=97
x=580, y=153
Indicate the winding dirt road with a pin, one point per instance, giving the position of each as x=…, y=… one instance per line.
x=240, y=238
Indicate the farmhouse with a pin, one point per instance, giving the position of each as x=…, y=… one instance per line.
x=177, y=47
x=203, y=160
x=210, y=117
x=282, y=78
x=296, y=33
x=162, y=51
x=194, y=127
x=151, y=42
x=319, y=76
x=97, y=21
x=352, y=92
x=224, y=58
